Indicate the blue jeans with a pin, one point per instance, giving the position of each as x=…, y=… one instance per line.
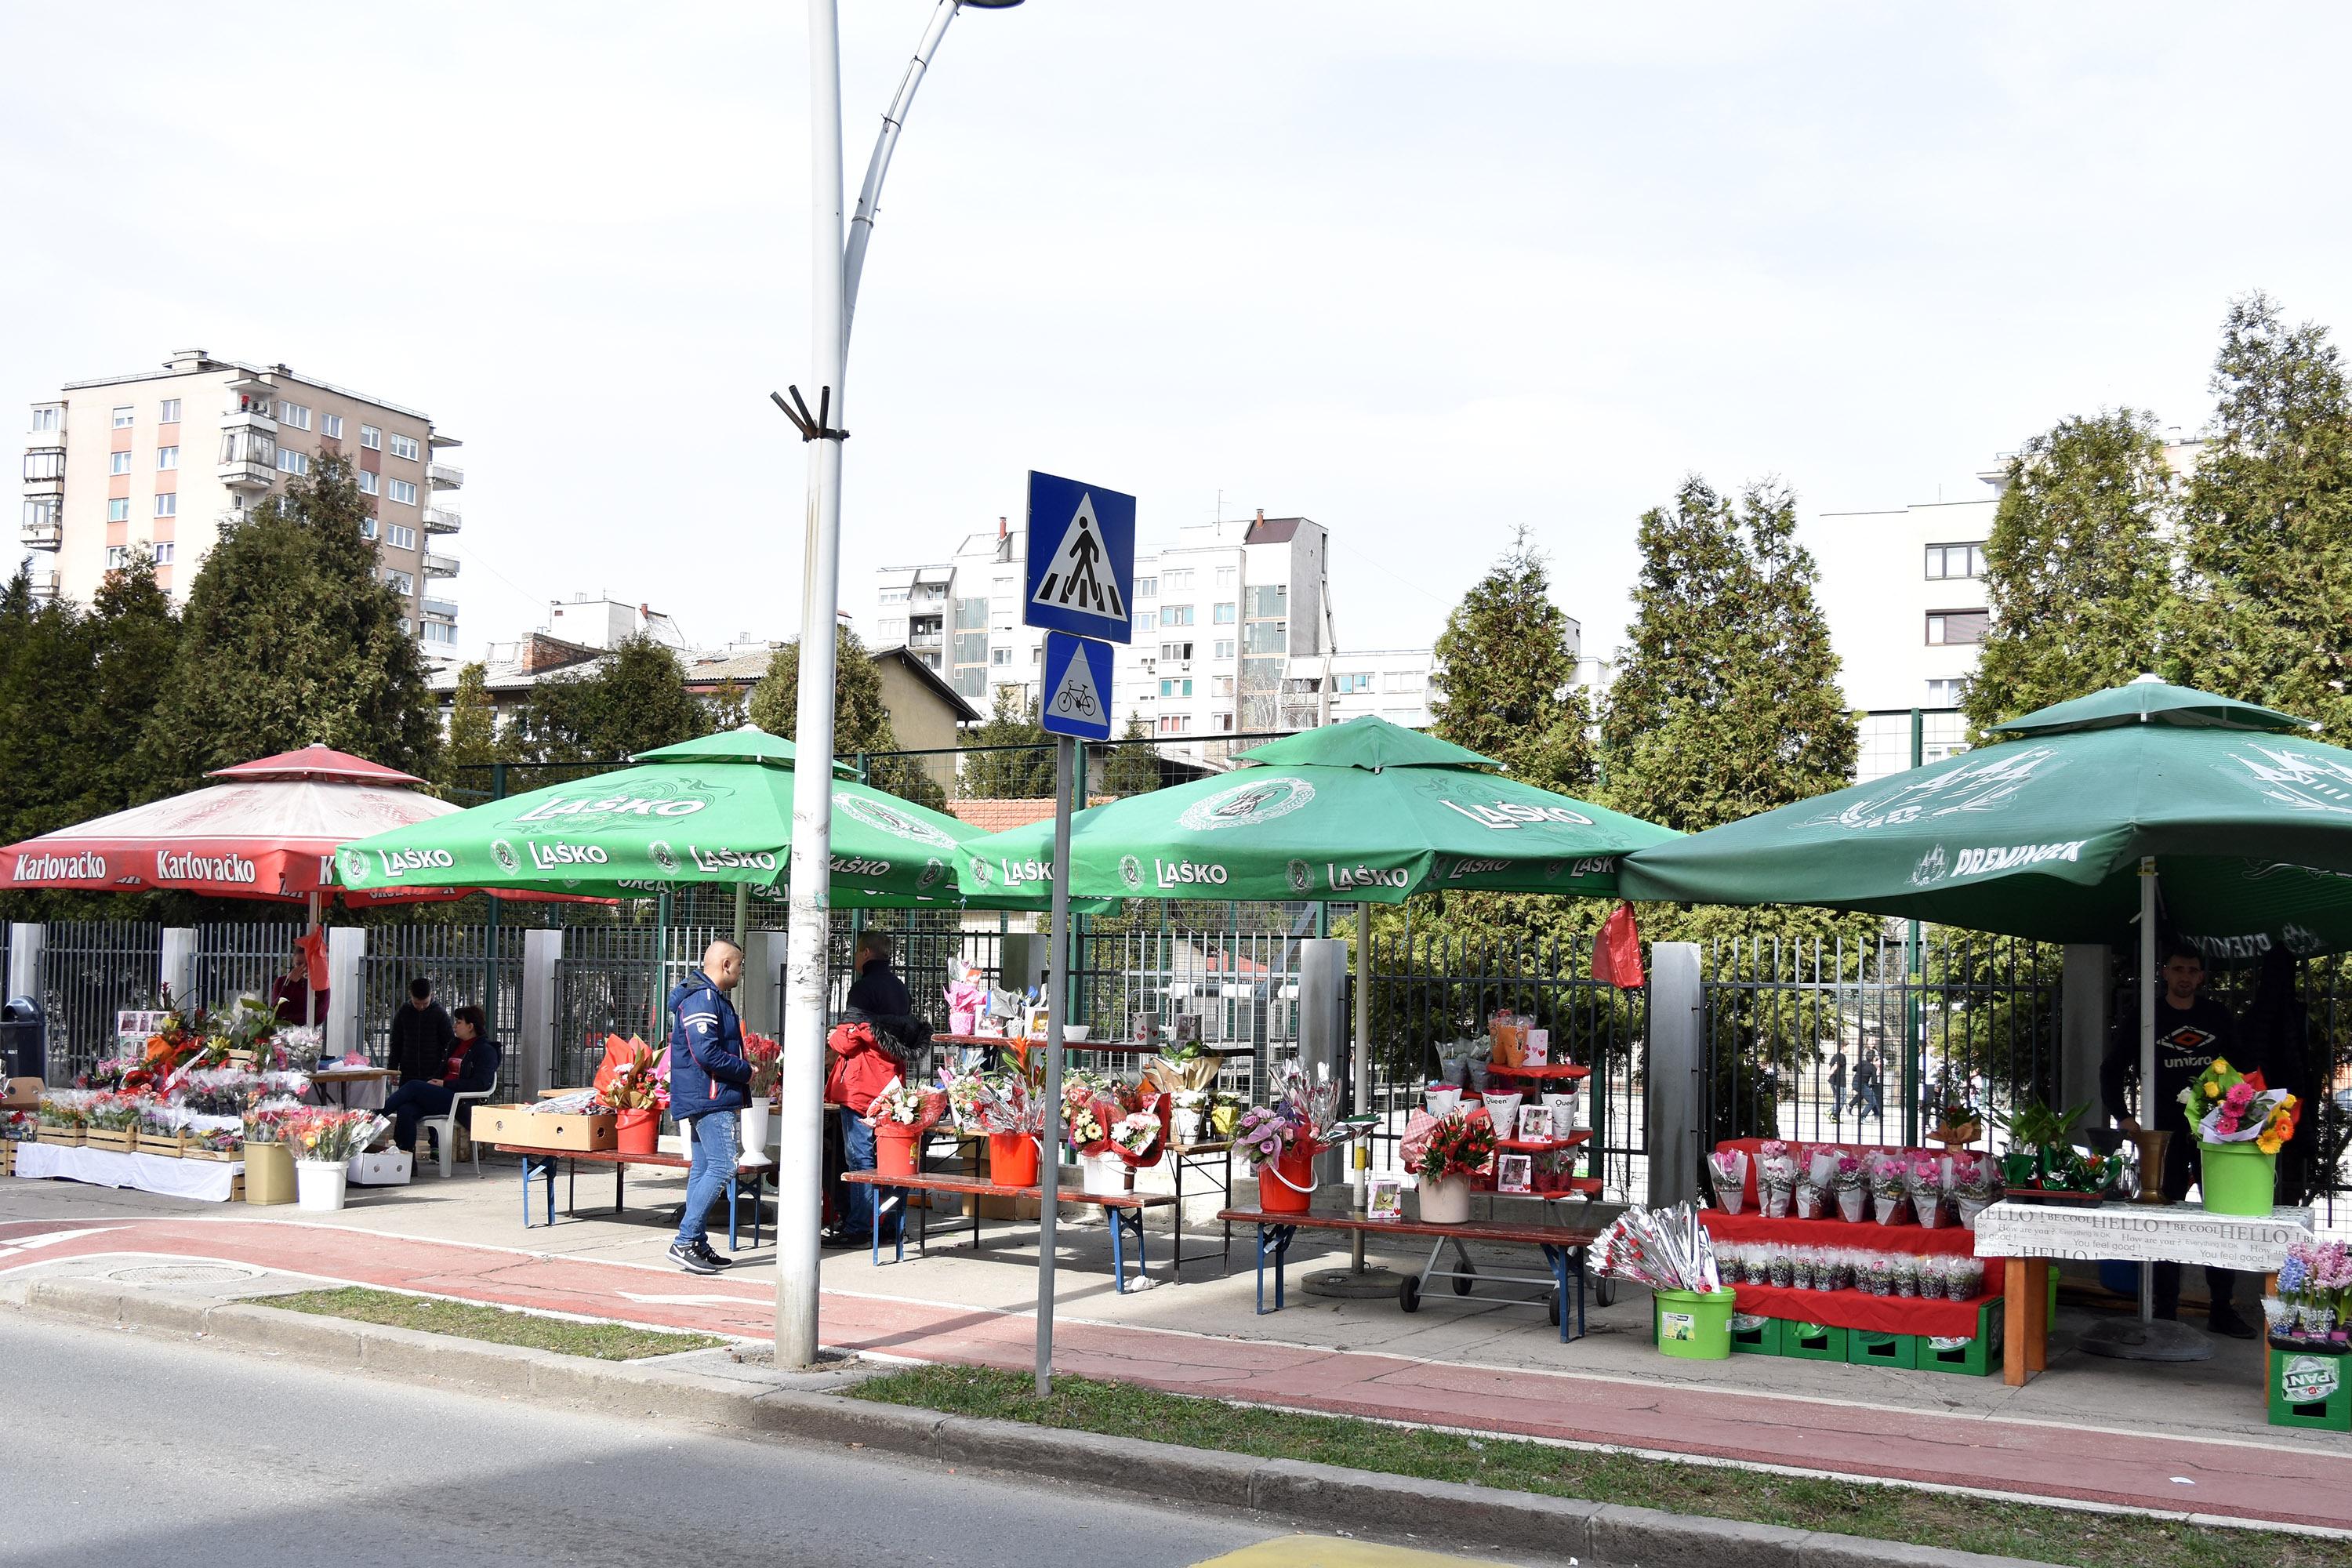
x=412, y=1103
x=717, y=1137
x=857, y=1198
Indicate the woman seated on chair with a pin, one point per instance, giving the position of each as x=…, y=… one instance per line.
x=471, y=1069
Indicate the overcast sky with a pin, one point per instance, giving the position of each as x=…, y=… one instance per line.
x=1423, y=273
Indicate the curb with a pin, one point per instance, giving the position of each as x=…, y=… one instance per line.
x=1327, y=1495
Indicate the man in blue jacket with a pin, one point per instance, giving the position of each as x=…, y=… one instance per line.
x=709, y=1083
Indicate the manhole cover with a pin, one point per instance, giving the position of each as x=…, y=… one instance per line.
x=186, y=1274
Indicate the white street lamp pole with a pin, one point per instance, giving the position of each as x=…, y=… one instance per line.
x=834, y=275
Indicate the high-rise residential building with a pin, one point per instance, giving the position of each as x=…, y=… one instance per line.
x=158, y=461
x=1904, y=593
x=1233, y=631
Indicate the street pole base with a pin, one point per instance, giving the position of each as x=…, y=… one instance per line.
x=1349, y=1286
x=2154, y=1338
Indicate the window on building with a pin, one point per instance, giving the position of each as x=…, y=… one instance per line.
x=1145, y=587
x=170, y=412
x=1351, y=681
x=367, y=528
x=893, y=596
x=400, y=538
x=1948, y=561
x=167, y=456
x=997, y=655
x=40, y=511
x=891, y=628
x=401, y=582
x=293, y=416
x=119, y=509
x=290, y=461
x=371, y=437
x=367, y=482
x=1946, y=693
x=1954, y=627
x=1176, y=689
x=49, y=417
x=404, y=446
x=1404, y=680
x=118, y=462
x=440, y=631
x=1147, y=620
x=117, y=557
x=1267, y=636
x=1224, y=646
x=1227, y=577
x=1220, y=686
x=167, y=504
x=1175, y=723
x=123, y=417
x=1225, y=722
x=331, y=424
x=1268, y=604
x=1175, y=614
x=1223, y=614
x=1177, y=582
x=1176, y=650
x=163, y=552
x=402, y=490
x=1038, y=654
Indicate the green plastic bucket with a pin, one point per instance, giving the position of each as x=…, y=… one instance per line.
x=1694, y=1324
x=2236, y=1178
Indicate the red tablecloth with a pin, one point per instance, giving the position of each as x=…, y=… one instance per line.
x=1861, y=1309
x=1949, y=1241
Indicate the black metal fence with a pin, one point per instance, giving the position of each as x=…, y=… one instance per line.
x=91, y=969
x=472, y=964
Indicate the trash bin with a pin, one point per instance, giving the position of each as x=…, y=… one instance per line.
x=24, y=1039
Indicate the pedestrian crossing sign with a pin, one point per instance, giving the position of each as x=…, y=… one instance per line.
x=1077, y=688
x=1081, y=559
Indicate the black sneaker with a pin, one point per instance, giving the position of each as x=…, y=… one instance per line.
x=693, y=1259
x=702, y=1250
x=837, y=1237
x=2230, y=1323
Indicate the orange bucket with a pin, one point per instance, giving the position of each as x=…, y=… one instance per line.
x=1012, y=1159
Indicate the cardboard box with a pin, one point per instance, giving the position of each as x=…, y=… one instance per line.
x=523, y=1126
x=24, y=1094
x=382, y=1168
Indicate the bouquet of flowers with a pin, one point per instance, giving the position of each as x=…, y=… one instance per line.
x=266, y=1121
x=636, y=1086
x=1956, y=1118
x=1890, y=1189
x=1186, y=1067
x=1006, y=1104
x=1461, y=1143
x=899, y=1106
x=1776, y=1178
x=2226, y=1106
x=1849, y=1186
x=1136, y=1136
x=1665, y=1249
x=964, y=1090
x=112, y=1113
x=111, y=1073
x=1934, y=1276
x=332, y=1136
x=1805, y=1266
x=296, y=1047
x=64, y=1108
x=1302, y=1114
x=161, y=1119
x=766, y=1060
x=1727, y=1169
x=218, y=1092
x=1927, y=1185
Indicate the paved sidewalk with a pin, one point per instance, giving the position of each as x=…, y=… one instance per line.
x=927, y=1313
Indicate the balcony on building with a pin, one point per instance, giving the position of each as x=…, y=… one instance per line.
x=45, y=467
x=248, y=452
x=443, y=609
x=43, y=530
x=440, y=567
x=445, y=476
x=441, y=520
x=45, y=584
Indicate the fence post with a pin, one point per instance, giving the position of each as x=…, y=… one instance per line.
x=25, y=944
x=535, y=1013
x=346, y=947
x=1677, y=1058
x=759, y=1002
x=2086, y=995
x=177, y=970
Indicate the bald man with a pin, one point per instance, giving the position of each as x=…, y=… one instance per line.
x=709, y=1081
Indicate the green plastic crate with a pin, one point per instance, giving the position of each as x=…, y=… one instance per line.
x=1973, y=1357
x=1812, y=1342
x=2311, y=1390
x=1864, y=1347
x=1762, y=1339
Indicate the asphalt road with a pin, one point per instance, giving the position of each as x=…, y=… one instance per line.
x=117, y=1447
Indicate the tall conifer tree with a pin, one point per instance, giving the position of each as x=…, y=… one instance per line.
x=1505, y=679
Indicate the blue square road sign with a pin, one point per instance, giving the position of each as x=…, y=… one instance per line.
x=1081, y=566
x=1077, y=687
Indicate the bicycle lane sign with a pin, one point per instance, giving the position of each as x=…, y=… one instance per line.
x=1077, y=687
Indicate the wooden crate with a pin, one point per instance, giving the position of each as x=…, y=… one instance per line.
x=163, y=1145
x=64, y=1137
x=118, y=1139
x=7, y=1159
x=226, y=1156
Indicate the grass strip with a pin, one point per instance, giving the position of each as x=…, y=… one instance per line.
x=499, y=1325
x=1880, y=1513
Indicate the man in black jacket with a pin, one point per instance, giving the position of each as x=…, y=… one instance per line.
x=422, y=1040
x=2190, y=1032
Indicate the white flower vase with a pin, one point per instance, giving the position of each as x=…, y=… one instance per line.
x=1445, y=1200
x=1102, y=1176
x=319, y=1185
x=754, y=1118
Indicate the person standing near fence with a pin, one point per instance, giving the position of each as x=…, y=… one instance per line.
x=422, y=1039
x=1837, y=1083
x=710, y=1082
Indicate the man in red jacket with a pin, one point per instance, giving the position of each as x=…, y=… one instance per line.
x=860, y=1065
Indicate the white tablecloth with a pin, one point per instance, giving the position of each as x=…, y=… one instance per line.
x=209, y=1180
x=2142, y=1233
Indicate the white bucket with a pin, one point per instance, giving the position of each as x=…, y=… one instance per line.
x=755, y=1126
x=1102, y=1176
x=1445, y=1200
x=319, y=1183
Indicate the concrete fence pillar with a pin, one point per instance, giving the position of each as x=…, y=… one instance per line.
x=2085, y=1005
x=176, y=968
x=1323, y=1026
x=346, y=947
x=25, y=944
x=759, y=999
x=535, y=1043
x=1675, y=1089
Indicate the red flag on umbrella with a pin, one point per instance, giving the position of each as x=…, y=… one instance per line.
x=1617, y=950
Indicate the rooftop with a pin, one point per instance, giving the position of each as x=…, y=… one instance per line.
x=195, y=361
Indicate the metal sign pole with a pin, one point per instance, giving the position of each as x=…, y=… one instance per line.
x=1049, y=1165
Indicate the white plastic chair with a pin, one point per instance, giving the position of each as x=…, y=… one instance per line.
x=444, y=1127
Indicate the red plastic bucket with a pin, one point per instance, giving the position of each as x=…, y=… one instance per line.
x=1012, y=1159
x=635, y=1131
x=894, y=1150
x=1285, y=1184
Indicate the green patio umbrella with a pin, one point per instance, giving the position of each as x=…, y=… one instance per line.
x=1367, y=811
x=714, y=810
x=2248, y=819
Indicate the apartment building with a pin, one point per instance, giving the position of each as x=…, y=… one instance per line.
x=1232, y=629
x=1904, y=592
x=158, y=460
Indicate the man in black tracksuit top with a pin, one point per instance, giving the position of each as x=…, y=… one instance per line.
x=2190, y=1032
